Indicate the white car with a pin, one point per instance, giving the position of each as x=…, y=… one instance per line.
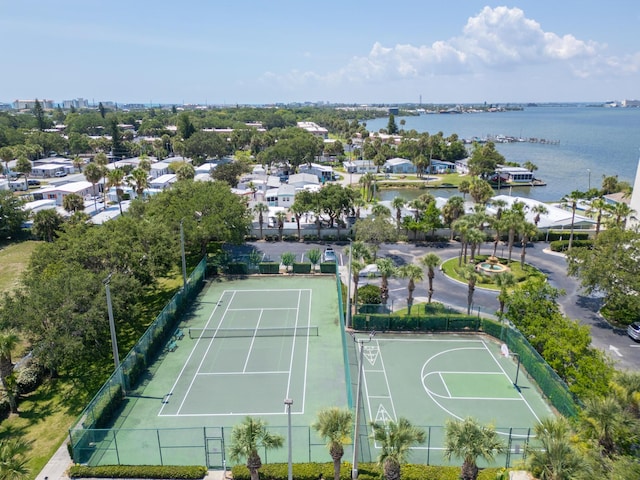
x=61, y=173
x=329, y=255
x=370, y=270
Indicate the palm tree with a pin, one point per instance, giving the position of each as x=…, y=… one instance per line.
x=261, y=209
x=470, y=274
x=114, y=179
x=556, y=458
x=414, y=274
x=298, y=209
x=474, y=237
x=138, y=179
x=280, y=217
x=452, y=210
x=13, y=459
x=528, y=231
x=78, y=163
x=511, y=221
x=504, y=281
x=605, y=420
x=462, y=225
x=8, y=342
x=572, y=201
x=247, y=437
x=600, y=206
x=73, y=203
x=622, y=211
x=539, y=209
x=396, y=440
x=93, y=174
x=398, y=203
x=46, y=223
x=468, y=440
x=431, y=261
x=366, y=181
x=387, y=269
x=335, y=426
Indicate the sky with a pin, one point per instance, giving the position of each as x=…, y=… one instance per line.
x=231, y=52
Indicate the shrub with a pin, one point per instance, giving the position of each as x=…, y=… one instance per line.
x=137, y=471
x=5, y=408
x=269, y=267
x=29, y=378
x=329, y=267
x=239, y=268
x=369, y=294
x=301, y=268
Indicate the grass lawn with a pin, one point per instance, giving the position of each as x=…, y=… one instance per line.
x=451, y=269
x=14, y=258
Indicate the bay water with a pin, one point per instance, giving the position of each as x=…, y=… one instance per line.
x=584, y=144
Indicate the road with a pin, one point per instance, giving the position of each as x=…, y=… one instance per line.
x=624, y=352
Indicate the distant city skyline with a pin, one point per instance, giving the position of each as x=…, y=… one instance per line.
x=255, y=52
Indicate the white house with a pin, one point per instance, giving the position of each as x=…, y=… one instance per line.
x=399, y=165
x=163, y=181
x=515, y=174
x=49, y=170
x=323, y=172
x=360, y=166
x=442, y=166
x=299, y=180
x=158, y=169
x=58, y=192
x=556, y=218
x=282, y=196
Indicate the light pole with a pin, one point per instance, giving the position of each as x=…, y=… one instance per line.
x=288, y=402
x=349, y=285
x=589, y=172
x=184, y=260
x=361, y=342
x=112, y=329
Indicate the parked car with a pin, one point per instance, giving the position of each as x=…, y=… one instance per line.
x=633, y=331
x=33, y=182
x=370, y=270
x=329, y=255
x=61, y=173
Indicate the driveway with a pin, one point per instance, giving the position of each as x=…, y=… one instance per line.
x=624, y=352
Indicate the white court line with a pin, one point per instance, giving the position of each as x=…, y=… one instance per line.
x=445, y=385
x=439, y=340
x=261, y=309
x=253, y=340
x=306, y=359
x=192, y=352
x=505, y=374
x=273, y=372
x=206, y=352
x=386, y=380
x=293, y=349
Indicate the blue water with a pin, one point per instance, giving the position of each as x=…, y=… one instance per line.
x=593, y=142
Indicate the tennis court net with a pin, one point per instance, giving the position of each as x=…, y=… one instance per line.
x=309, y=331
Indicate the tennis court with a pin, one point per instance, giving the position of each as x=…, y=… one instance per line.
x=431, y=378
x=244, y=348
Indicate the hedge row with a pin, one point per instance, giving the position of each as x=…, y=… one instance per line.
x=563, y=245
x=366, y=471
x=138, y=471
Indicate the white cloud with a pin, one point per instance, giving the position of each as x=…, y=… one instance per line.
x=496, y=40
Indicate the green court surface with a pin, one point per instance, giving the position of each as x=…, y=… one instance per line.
x=244, y=347
x=431, y=378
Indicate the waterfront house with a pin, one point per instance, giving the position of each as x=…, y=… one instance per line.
x=442, y=167
x=515, y=174
x=360, y=166
x=399, y=166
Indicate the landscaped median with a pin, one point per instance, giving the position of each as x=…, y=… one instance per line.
x=138, y=471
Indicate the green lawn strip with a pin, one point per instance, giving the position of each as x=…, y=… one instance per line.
x=14, y=258
x=44, y=420
x=451, y=269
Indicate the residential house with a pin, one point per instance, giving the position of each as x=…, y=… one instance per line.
x=57, y=192
x=442, y=167
x=515, y=174
x=159, y=169
x=399, y=166
x=163, y=181
x=299, y=180
x=283, y=196
x=360, y=166
x=324, y=173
